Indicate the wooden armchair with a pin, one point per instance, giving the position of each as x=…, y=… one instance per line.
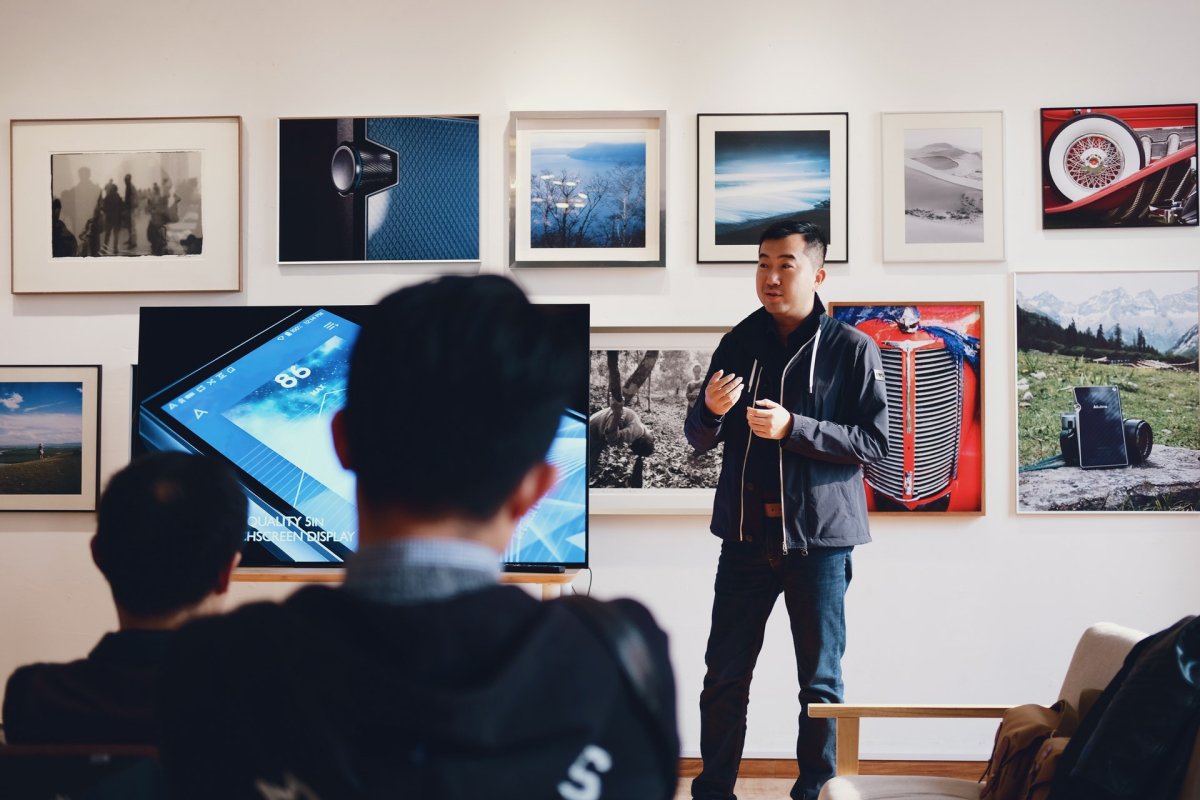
x=1097, y=659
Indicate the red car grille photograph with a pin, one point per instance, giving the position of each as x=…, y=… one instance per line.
x=924, y=415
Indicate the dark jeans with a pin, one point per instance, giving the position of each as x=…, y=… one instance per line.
x=750, y=576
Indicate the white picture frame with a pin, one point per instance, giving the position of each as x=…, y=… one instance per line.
x=214, y=143
x=952, y=228
x=535, y=137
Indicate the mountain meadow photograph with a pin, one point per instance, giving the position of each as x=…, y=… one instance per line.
x=1135, y=331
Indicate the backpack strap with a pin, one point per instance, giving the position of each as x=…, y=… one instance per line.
x=631, y=651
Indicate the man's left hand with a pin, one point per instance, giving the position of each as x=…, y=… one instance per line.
x=770, y=420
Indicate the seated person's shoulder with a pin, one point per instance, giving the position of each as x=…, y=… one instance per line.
x=621, y=611
x=18, y=695
x=29, y=700
x=636, y=613
x=103, y=699
x=257, y=622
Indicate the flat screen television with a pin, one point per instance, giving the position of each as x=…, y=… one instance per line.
x=257, y=386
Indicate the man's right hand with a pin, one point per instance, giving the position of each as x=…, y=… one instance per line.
x=722, y=392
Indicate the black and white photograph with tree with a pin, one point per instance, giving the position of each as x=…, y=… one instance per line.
x=638, y=401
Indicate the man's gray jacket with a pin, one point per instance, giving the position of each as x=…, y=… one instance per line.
x=834, y=387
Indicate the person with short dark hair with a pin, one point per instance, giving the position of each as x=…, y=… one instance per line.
x=798, y=399
x=421, y=676
x=170, y=532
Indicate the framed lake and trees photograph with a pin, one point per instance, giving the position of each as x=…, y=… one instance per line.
x=1107, y=392
x=135, y=205
x=943, y=186
x=49, y=438
x=754, y=170
x=643, y=383
x=586, y=189
x=933, y=365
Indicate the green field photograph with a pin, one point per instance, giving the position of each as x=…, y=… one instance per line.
x=48, y=438
x=1137, y=333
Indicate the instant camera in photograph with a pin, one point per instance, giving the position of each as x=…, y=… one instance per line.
x=1096, y=435
x=1116, y=343
x=256, y=387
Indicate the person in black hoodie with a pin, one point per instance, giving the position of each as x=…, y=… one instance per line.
x=421, y=676
x=170, y=531
x=798, y=399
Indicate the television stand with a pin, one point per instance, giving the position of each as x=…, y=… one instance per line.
x=551, y=582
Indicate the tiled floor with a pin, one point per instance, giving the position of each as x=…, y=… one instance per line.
x=747, y=788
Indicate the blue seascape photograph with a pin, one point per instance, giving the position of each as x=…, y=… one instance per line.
x=763, y=177
x=587, y=189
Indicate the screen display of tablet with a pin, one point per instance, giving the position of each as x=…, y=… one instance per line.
x=1101, y=433
x=259, y=392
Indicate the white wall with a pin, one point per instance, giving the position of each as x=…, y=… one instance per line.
x=940, y=610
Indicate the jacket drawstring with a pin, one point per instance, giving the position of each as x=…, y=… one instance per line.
x=812, y=361
x=746, y=456
x=812, y=366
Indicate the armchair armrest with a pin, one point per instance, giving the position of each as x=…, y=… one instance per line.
x=849, y=714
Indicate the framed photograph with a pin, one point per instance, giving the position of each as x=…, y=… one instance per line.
x=643, y=383
x=587, y=189
x=943, y=186
x=49, y=438
x=933, y=365
x=1119, y=166
x=1107, y=392
x=355, y=189
x=753, y=170
x=137, y=205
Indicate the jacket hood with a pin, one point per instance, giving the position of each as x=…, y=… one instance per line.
x=466, y=687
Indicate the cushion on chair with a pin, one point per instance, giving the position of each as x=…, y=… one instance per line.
x=1098, y=657
x=899, y=787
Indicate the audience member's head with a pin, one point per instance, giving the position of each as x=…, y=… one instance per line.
x=170, y=531
x=456, y=390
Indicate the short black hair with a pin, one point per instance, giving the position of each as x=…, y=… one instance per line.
x=456, y=389
x=815, y=241
x=168, y=524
